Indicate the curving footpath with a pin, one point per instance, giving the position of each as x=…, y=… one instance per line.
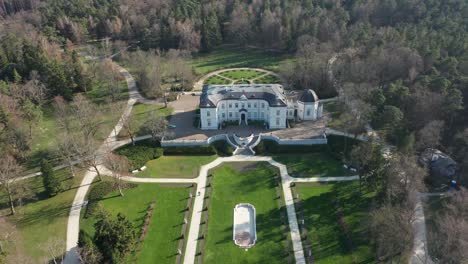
x=73, y=226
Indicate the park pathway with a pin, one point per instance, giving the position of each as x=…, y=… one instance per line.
x=111, y=142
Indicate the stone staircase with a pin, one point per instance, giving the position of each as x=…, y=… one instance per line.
x=243, y=144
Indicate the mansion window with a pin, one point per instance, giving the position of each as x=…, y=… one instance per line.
x=249, y=105
x=262, y=114
x=243, y=105
x=208, y=113
x=209, y=122
x=230, y=105
x=237, y=105
x=255, y=105
x=277, y=121
x=277, y=112
x=308, y=112
x=263, y=105
x=230, y=114
x=223, y=115
x=222, y=106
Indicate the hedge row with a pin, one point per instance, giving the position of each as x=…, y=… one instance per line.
x=337, y=146
x=146, y=150
x=96, y=193
x=220, y=148
x=140, y=153
x=271, y=147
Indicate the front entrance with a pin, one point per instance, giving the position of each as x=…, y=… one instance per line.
x=243, y=117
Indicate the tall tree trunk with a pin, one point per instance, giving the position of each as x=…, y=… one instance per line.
x=70, y=166
x=10, y=200
x=119, y=184
x=97, y=171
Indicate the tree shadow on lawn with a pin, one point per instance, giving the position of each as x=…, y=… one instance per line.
x=250, y=181
x=327, y=235
x=45, y=213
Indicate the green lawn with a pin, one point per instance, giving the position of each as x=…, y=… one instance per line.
x=268, y=79
x=175, y=166
x=329, y=242
x=312, y=165
x=41, y=218
x=161, y=241
x=229, y=56
x=213, y=80
x=241, y=74
x=244, y=183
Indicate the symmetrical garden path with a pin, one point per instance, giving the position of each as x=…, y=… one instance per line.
x=198, y=85
x=71, y=257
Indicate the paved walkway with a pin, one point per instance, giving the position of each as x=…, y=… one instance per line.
x=73, y=226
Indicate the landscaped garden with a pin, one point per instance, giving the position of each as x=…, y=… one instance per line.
x=335, y=217
x=252, y=183
x=242, y=76
x=216, y=80
x=319, y=164
x=175, y=166
x=162, y=237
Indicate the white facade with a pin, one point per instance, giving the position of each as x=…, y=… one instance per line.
x=243, y=110
x=274, y=109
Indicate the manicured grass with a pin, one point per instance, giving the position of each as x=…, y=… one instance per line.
x=161, y=241
x=267, y=79
x=175, y=166
x=252, y=183
x=312, y=165
x=41, y=218
x=330, y=242
x=216, y=80
x=229, y=56
x=241, y=74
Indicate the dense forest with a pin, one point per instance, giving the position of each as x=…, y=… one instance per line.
x=399, y=65
x=404, y=63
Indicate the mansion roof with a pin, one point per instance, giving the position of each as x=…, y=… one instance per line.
x=272, y=93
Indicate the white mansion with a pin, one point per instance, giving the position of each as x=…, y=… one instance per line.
x=258, y=102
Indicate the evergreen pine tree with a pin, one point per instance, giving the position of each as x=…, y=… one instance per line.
x=211, y=33
x=50, y=180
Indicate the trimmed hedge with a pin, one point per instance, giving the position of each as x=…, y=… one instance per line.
x=335, y=146
x=140, y=153
x=96, y=193
x=191, y=150
x=223, y=148
x=271, y=147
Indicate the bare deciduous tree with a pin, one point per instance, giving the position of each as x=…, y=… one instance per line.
x=156, y=125
x=392, y=231
x=9, y=172
x=118, y=166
